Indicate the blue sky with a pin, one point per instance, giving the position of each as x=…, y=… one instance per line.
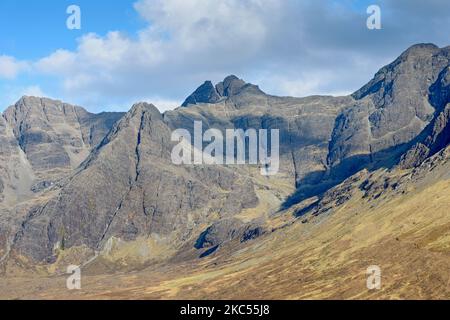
x=32, y=29
x=161, y=50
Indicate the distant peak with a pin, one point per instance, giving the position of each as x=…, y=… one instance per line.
x=421, y=56
x=139, y=108
x=206, y=93
x=229, y=87
x=34, y=101
x=28, y=99
x=230, y=78
x=36, y=98
x=421, y=48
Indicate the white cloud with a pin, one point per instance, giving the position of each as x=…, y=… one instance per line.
x=59, y=62
x=289, y=47
x=10, y=67
x=302, y=86
x=34, y=91
x=198, y=25
x=184, y=39
x=163, y=104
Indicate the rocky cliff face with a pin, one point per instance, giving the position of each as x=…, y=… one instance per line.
x=437, y=134
x=390, y=111
x=326, y=139
x=305, y=124
x=127, y=187
x=16, y=174
x=41, y=142
x=56, y=137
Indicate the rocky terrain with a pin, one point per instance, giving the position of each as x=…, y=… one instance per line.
x=358, y=174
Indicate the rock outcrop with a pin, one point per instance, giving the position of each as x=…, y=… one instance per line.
x=55, y=136
x=389, y=112
x=42, y=141
x=206, y=93
x=230, y=87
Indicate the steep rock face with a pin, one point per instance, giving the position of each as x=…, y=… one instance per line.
x=56, y=137
x=128, y=188
x=349, y=147
x=305, y=124
x=47, y=131
x=16, y=178
x=434, y=139
x=404, y=86
x=206, y=93
x=437, y=135
x=16, y=174
x=440, y=90
x=94, y=127
x=391, y=110
x=324, y=140
x=41, y=142
x=230, y=86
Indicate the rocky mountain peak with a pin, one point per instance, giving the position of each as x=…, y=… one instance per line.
x=55, y=136
x=388, y=96
x=27, y=104
x=141, y=107
x=230, y=87
x=420, y=48
x=206, y=93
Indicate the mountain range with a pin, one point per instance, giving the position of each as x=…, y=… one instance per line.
x=100, y=191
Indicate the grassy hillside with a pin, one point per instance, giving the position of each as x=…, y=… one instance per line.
x=407, y=234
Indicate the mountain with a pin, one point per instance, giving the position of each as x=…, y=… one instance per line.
x=231, y=86
x=128, y=189
x=56, y=137
x=42, y=142
x=392, y=109
x=102, y=191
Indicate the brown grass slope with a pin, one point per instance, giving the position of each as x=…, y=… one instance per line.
x=403, y=227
